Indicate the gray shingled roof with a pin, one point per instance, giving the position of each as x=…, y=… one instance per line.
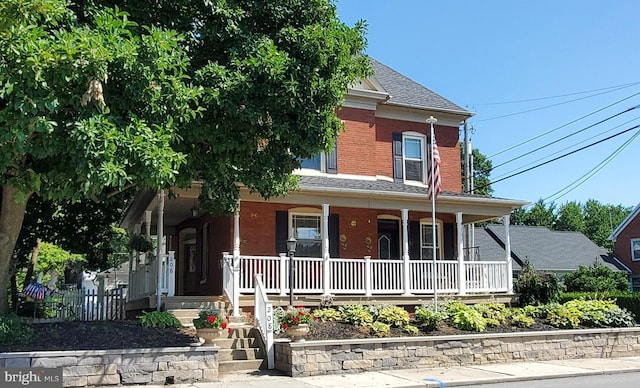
x=547, y=250
x=404, y=91
x=324, y=182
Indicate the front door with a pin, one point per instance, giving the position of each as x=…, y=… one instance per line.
x=388, y=239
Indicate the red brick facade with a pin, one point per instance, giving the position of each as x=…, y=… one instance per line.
x=622, y=245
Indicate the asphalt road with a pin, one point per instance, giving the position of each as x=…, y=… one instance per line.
x=631, y=379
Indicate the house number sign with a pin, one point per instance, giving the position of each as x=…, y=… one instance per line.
x=269, y=318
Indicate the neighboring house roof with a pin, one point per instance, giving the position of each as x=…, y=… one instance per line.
x=404, y=91
x=625, y=223
x=547, y=250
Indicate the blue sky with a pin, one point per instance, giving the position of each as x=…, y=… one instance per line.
x=487, y=55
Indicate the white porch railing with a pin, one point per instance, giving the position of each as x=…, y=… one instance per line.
x=144, y=276
x=365, y=276
x=263, y=319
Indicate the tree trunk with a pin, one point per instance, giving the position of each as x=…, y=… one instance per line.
x=11, y=218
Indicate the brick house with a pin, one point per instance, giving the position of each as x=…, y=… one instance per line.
x=361, y=216
x=626, y=245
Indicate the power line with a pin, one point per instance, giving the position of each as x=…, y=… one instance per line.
x=543, y=107
x=561, y=156
x=566, y=148
x=616, y=87
x=568, y=136
x=584, y=178
x=562, y=126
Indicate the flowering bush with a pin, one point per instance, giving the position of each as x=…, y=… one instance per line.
x=211, y=319
x=296, y=316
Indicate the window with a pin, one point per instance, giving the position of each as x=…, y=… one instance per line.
x=635, y=249
x=325, y=162
x=413, y=158
x=409, y=152
x=307, y=232
x=426, y=240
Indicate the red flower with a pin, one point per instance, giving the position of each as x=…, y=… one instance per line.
x=284, y=326
x=211, y=318
x=300, y=312
x=230, y=330
x=224, y=325
x=315, y=318
x=227, y=317
x=295, y=319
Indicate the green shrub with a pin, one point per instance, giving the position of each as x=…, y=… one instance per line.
x=535, y=311
x=394, y=316
x=411, y=330
x=427, y=316
x=375, y=309
x=596, y=278
x=535, y=287
x=159, y=319
x=356, y=315
x=495, y=314
x=563, y=317
x=325, y=315
x=14, y=330
x=629, y=301
x=520, y=318
x=380, y=329
x=467, y=318
x=620, y=318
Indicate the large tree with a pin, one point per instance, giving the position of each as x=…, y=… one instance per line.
x=91, y=103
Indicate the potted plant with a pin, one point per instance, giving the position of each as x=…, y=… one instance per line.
x=211, y=324
x=296, y=322
x=140, y=243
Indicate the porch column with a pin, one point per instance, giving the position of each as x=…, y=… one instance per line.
x=405, y=251
x=462, y=278
x=507, y=249
x=325, y=249
x=236, y=262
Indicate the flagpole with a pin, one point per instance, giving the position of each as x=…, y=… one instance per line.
x=432, y=120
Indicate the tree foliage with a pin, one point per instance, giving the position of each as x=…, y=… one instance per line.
x=594, y=219
x=95, y=100
x=482, y=167
x=536, y=287
x=596, y=278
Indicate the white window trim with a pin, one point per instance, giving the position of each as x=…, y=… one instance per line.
x=306, y=212
x=439, y=237
x=423, y=140
x=631, y=247
x=323, y=163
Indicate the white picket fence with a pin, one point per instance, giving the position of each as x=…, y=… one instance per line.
x=82, y=305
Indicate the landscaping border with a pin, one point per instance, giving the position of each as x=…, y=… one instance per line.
x=310, y=358
x=81, y=368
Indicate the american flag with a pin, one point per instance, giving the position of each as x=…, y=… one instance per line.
x=434, y=185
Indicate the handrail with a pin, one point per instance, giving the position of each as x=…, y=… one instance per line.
x=263, y=319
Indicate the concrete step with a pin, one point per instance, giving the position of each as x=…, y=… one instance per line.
x=237, y=365
x=194, y=302
x=240, y=354
x=236, y=343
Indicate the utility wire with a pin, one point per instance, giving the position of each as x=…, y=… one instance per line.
x=544, y=107
x=567, y=136
x=562, y=126
x=567, y=189
x=566, y=148
x=616, y=87
x=560, y=157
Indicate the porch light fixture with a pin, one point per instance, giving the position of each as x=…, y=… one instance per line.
x=291, y=250
x=195, y=212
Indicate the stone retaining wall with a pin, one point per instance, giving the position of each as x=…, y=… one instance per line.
x=353, y=356
x=127, y=366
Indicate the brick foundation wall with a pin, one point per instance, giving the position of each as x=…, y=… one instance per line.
x=84, y=368
x=355, y=356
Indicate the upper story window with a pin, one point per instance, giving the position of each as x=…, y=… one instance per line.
x=635, y=249
x=409, y=150
x=324, y=162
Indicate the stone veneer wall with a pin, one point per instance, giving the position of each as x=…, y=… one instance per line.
x=83, y=368
x=309, y=358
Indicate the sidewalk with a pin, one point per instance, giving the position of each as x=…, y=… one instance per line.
x=429, y=378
